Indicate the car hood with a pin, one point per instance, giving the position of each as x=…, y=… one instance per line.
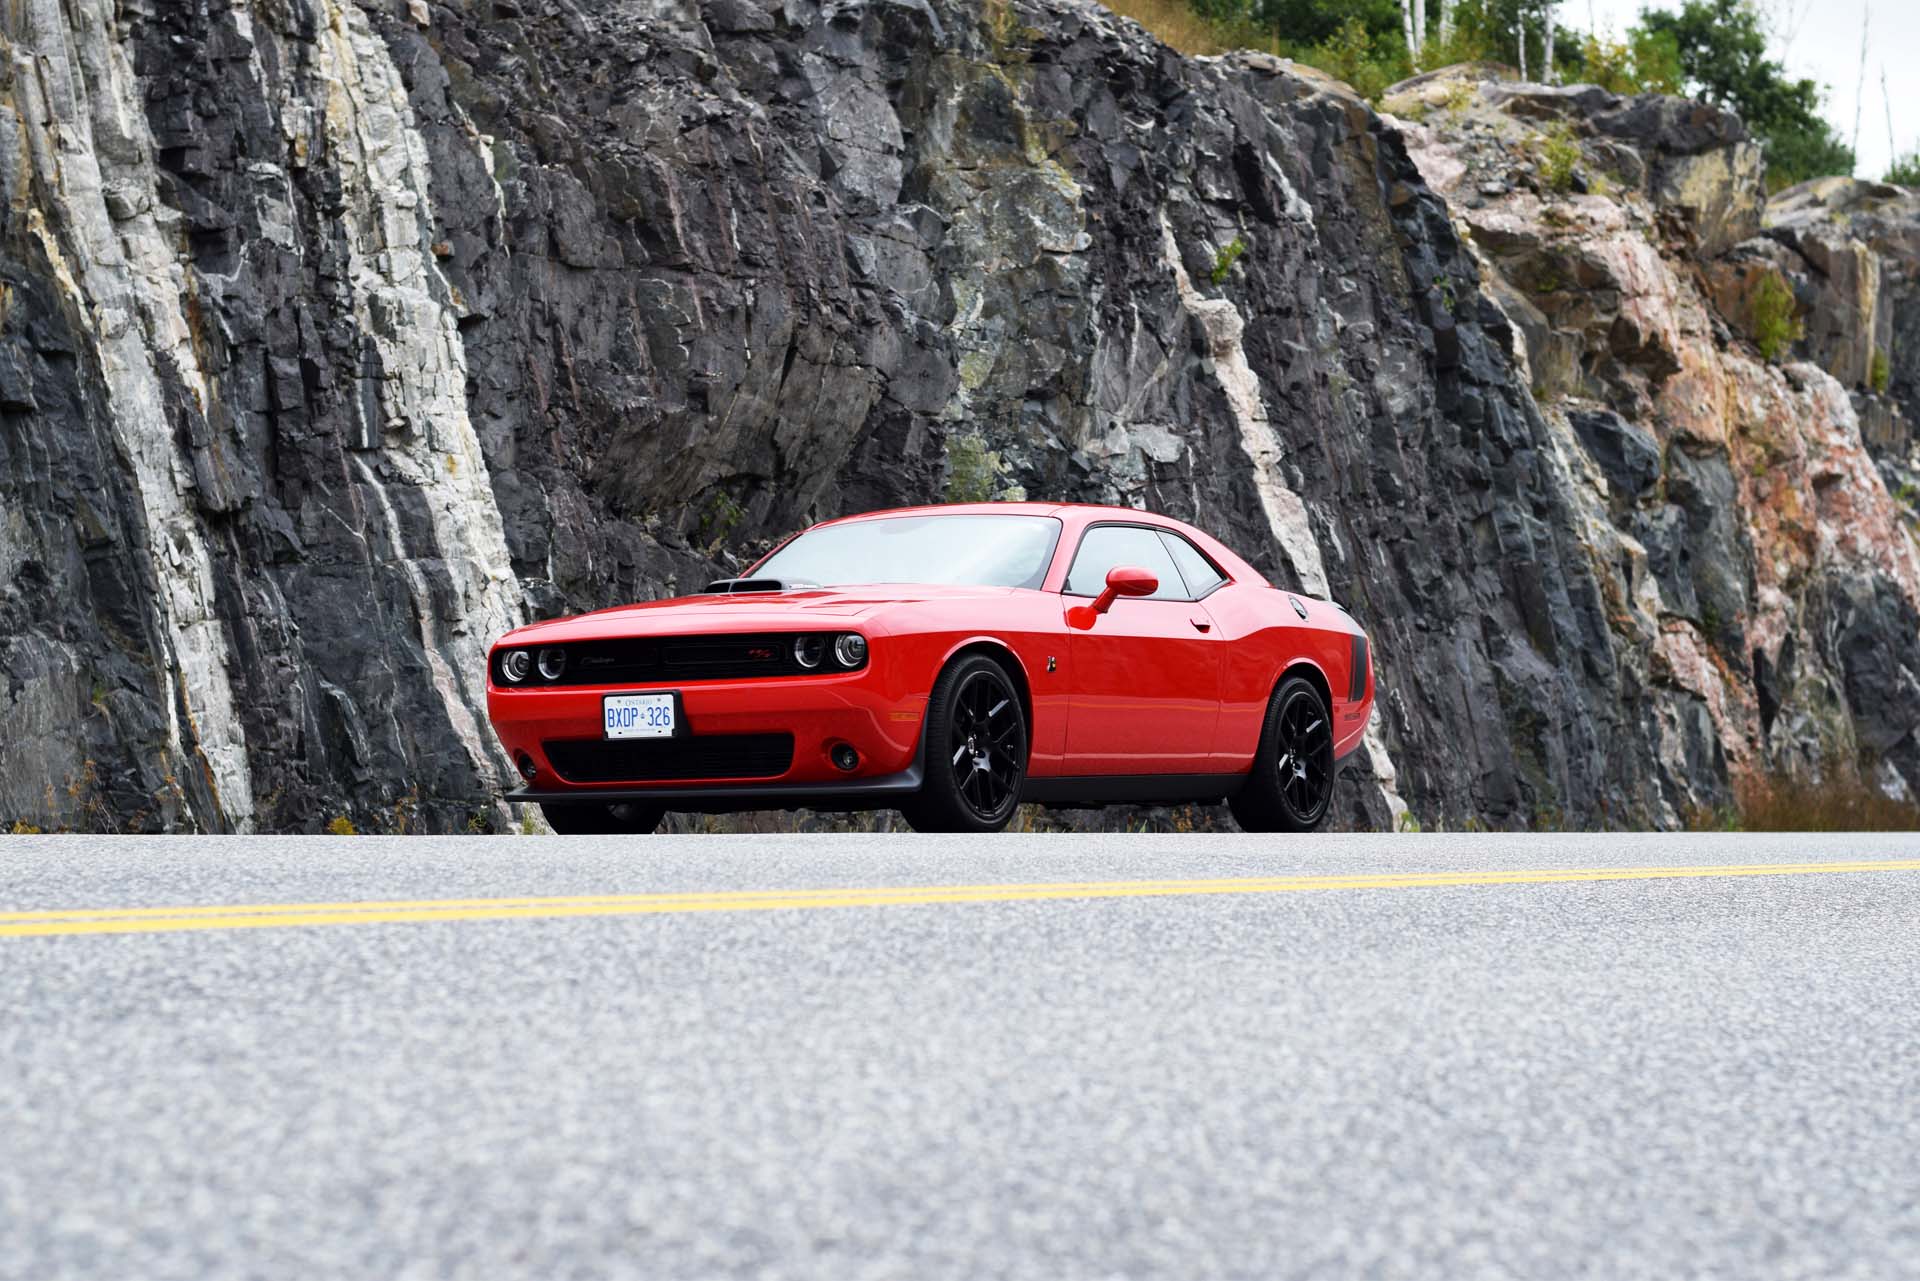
x=816, y=607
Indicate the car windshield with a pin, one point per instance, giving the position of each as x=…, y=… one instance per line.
x=960, y=551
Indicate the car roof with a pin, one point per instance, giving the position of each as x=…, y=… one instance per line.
x=1091, y=511
x=1077, y=516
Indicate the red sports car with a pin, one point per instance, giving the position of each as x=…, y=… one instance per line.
x=951, y=662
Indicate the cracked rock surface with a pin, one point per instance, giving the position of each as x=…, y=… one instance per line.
x=337, y=337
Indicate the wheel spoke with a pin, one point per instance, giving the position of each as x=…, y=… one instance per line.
x=988, y=743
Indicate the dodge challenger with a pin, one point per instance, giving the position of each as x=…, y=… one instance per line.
x=950, y=662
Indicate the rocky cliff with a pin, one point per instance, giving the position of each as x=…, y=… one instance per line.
x=337, y=337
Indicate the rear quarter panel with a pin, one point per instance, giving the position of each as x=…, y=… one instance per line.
x=1264, y=636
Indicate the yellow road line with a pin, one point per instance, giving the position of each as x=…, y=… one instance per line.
x=239, y=916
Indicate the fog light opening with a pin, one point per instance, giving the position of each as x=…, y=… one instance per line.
x=844, y=757
x=524, y=763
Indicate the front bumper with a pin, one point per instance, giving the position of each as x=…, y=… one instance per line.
x=883, y=792
x=863, y=709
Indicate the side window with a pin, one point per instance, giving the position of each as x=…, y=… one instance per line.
x=1199, y=572
x=1108, y=545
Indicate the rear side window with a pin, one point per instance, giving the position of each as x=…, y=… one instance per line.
x=1200, y=573
x=1106, y=546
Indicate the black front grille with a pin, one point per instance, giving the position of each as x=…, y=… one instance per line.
x=642, y=660
x=660, y=760
x=1357, y=678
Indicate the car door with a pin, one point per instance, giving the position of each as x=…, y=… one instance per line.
x=1144, y=676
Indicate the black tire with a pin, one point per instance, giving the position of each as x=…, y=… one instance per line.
x=976, y=751
x=601, y=818
x=1291, y=786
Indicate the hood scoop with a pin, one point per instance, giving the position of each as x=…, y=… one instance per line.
x=737, y=586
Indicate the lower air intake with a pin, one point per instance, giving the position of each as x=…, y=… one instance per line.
x=679, y=760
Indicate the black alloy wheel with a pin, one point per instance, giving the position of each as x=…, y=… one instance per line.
x=1291, y=786
x=601, y=818
x=976, y=751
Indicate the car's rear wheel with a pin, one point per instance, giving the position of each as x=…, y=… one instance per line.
x=1291, y=787
x=601, y=818
x=976, y=757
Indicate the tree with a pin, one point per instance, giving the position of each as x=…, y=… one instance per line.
x=1723, y=58
x=1510, y=31
x=1546, y=40
x=1300, y=23
x=1906, y=169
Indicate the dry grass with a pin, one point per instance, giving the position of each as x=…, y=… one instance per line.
x=1790, y=804
x=1175, y=24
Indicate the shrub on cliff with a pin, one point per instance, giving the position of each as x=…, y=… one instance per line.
x=1905, y=170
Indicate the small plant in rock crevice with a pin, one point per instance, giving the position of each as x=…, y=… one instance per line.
x=1559, y=152
x=1879, y=372
x=1224, y=260
x=1775, y=326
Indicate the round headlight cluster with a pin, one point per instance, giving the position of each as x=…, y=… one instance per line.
x=849, y=650
x=809, y=650
x=518, y=666
x=515, y=664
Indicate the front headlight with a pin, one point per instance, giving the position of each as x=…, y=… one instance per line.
x=553, y=661
x=850, y=649
x=809, y=650
x=515, y=665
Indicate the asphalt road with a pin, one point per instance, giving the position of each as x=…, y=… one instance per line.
x=1702, y=1075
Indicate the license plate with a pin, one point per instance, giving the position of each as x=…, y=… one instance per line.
x=638, y=715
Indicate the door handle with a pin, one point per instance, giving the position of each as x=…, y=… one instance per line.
x=1201, y=624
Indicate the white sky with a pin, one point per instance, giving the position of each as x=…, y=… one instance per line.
x=1820, y=39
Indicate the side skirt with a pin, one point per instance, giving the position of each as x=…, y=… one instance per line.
x=1094, y=790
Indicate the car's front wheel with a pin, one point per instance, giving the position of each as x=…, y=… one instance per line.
x=601, y=818
x=976, y=757
x=1291, y=786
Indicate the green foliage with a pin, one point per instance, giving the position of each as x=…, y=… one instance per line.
x=972, y=470
x=1645, y=62
x=1490, y=29
x=1775, y=326
x=1559, y=153
x=1879, y=373
x=1905, y=170
x=1722, y=48
x=1309, y=22
x=342, y=826
x=1224, y=260
x=718, y=519
x=1354, y=54
x=1798, y=152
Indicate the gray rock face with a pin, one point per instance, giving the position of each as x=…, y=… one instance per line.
x=339, y=337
